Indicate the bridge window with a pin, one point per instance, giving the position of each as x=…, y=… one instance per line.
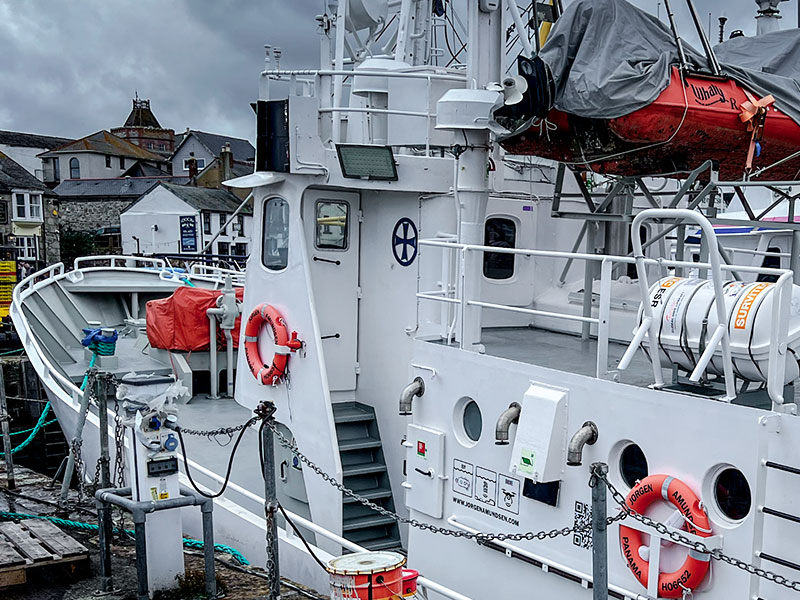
x=772, y=260
x=275, y=249
x=332, y=223
x=500, y=233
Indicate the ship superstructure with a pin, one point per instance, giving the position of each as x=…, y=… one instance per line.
x=457, y=335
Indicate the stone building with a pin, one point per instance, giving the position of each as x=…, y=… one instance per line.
x=25, y=148
x=182, y=219
x=205, y=147
x=28, y=217
x=143, y=129
x=101, y=155
x=92, y=205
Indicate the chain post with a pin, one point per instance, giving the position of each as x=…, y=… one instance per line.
x=266, y=411
x=5, y=419
x=599, y=532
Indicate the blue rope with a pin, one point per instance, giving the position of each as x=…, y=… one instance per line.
x=92, y=528
x=50, y=422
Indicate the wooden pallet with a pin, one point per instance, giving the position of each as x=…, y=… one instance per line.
x=32, y=544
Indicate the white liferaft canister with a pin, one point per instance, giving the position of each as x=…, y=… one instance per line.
x=685, y=313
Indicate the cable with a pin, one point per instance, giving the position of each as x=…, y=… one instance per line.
x=302, y=539
x=230, y=462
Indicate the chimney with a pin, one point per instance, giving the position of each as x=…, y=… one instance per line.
x=226, y=162
x=191, y=163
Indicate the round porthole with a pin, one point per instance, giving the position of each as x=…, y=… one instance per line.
x=732, y=494
x=467, y=421
x=472, y=420
x=632, y=465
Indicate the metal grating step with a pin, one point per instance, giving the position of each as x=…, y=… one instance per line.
x=373, y=520
x=352, y=412
x=369, y=494
x=358, y=444
x=363, y=469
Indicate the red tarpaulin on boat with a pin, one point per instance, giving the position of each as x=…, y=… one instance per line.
x=180, y=322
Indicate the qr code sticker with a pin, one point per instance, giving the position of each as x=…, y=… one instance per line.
x=583, y=518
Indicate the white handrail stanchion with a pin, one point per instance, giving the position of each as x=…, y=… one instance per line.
x=684, y=214
x=603, y=315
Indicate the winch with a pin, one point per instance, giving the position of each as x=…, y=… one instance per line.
x=685, y=312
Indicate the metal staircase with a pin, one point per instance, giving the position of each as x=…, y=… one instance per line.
x=364, y=472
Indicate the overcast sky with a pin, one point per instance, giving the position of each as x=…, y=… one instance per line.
x=71, y=68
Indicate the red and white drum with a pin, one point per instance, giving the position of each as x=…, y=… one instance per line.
x=367, y=576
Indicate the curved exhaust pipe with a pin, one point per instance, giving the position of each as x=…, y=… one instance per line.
x=415, y=388
x=585, y=435
x=504, y=421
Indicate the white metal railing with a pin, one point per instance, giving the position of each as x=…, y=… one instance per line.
x=583, y=578
x=55, y=273
x=319, y=530
x=334, y=106
x=781, y=303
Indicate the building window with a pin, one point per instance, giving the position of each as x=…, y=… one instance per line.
x=207, y=223
x=500, y=233
x=332, y=225
x=223, y=249
x=121, y=162
x=149, y=145
x=26, y=247
x=275, y=245
x=3, y=212
x=27, y=207
x=108, y=162
x=74, y=168
x=238, y=226
x=56, y=170
x=201, y=164
x=240, y=249
x=162, y=146
x=222, y=219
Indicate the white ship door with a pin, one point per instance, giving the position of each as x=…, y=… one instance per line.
x=331, y=221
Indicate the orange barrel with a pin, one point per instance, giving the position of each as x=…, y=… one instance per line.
x=367, y=576
x=410, y=583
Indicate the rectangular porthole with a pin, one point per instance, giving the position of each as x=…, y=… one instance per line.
x=331, y=225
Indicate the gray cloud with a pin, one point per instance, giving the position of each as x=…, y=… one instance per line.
x=71, y=68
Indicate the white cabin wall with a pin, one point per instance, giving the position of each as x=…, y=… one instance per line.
x=387, y=320
x=305, y=407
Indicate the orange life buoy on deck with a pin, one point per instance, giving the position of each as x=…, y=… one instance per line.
x=692, y=572
x=274, y=373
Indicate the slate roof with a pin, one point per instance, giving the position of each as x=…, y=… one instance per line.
x=120, y=187
x=104, y=142
x=15, y=176
x=141, y=115
x=139, y=169
x=207, y=198
x=31, y=140
x=240, y=168
x=241, y=149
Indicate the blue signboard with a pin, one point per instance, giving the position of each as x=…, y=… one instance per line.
x=188, y=234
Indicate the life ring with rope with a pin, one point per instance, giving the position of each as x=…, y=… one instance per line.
x=285, y=343
x=694, y=569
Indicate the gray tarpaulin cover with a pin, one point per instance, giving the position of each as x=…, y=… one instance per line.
x=610, y=58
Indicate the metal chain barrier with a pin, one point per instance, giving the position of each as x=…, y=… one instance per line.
x=678, y=537
x=479, y=537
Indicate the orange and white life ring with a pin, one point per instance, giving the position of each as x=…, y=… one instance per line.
x=275, y=372
x=693, y=570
